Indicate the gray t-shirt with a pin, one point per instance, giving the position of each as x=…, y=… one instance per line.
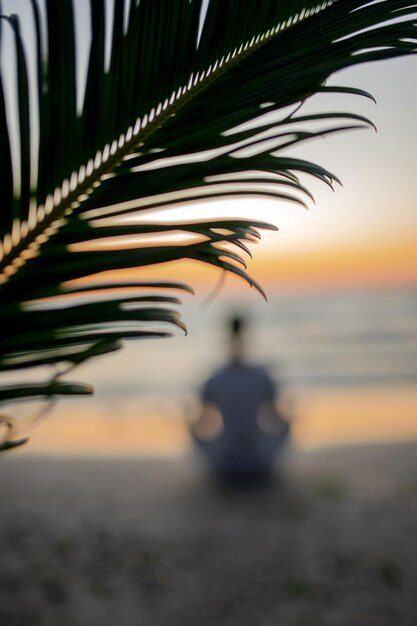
x=238, y=390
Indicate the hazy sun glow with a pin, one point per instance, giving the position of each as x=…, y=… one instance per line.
x=372, y=218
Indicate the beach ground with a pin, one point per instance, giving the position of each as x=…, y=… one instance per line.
x=89, y=541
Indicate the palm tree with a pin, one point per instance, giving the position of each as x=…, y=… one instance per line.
x=161, y=120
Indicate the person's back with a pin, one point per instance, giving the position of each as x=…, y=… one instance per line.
x=243, y=395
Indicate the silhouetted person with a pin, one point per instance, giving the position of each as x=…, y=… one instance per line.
x=239, y=428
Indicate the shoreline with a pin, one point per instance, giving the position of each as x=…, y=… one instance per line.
x=320, y=419
x=186, y=449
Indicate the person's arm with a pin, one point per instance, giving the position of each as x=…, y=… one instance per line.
x=209, y=422
x=204, y=418
x=273, y=415
x=270, y=417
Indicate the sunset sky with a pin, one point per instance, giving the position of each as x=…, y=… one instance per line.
x=364, y=231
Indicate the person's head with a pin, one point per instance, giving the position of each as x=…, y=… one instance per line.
x=237, y=329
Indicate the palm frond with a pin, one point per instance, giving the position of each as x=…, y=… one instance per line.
x=172, y=112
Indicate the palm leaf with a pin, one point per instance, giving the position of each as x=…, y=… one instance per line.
x=163, y=120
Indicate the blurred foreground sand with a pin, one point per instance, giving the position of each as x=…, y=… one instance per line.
x=152, y=541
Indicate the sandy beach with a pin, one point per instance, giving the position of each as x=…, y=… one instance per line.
x=154, y=541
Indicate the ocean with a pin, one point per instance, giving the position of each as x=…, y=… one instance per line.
x=331, y=339
x=347, y=360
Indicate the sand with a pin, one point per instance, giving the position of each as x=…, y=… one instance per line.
x=137, y=541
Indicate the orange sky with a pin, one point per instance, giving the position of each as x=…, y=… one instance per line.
x=381, y=262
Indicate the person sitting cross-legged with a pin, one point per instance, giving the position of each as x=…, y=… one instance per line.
x=239, y=429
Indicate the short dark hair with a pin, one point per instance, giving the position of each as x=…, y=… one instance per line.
x=237, y=325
